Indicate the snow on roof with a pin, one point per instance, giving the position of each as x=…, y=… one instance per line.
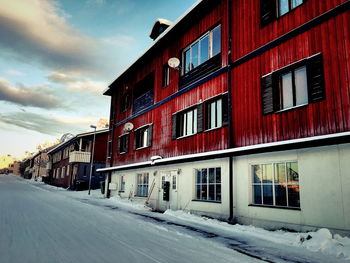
x=155, y=42
x=157, y=29
x=216, y=154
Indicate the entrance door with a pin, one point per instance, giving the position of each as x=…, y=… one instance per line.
x=170, y=178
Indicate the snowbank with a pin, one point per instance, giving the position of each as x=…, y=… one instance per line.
x=321, y=241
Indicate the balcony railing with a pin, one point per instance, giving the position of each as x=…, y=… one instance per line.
x=79, y=157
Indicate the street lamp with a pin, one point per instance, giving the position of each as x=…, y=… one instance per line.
x=92, y=156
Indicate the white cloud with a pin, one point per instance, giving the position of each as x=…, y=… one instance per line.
x=13, y=72
x=123, y=41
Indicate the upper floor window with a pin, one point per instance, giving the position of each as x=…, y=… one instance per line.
x=186, y=123
x=165, y=76
x=201, y=50
x=143, y=137
x=125, y=101
x=272, y=9
x=214, y=114
x=297, y=84
x=123, y=143
x=143, y=94
x=276, y=184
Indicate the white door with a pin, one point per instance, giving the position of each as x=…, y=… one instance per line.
x=171, y=177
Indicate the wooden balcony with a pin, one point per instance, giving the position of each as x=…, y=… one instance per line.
x=79, y=157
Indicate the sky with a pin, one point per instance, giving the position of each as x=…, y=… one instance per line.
x=58, y=56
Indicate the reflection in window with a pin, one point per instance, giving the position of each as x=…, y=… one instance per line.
x=276, y=184
x=285, y=6
x=208, y=184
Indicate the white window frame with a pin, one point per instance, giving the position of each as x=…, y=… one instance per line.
x=142, y=184
x=273, y=184
x=187, y=120
x=198, y=41
x=215, y=104
x=122, y=183
x=290, y=7
x=207, y=184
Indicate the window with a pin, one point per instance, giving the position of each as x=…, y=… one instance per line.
x=276, y=184
x=201, y=50
x=214, y=114
x=54, y=173
x=208, y=184
x=63, y=174
x=143, y=137
x=165, y=75
x=109, y=149
x=66, y=153
x=272, y=9
x=122, y=184
x=297, y=84
x=174, y=182
x=186, y=123
x=68, y=170
x=125, y=101
x=123, y=143
x=142, y=184
x=163, y=181
x=143, y=93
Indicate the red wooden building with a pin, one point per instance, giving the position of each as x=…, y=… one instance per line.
x=254, y=124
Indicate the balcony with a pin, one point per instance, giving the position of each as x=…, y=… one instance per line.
x=79, y=157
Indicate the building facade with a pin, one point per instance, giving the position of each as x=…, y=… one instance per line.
x=70, y=161
x=253, y=126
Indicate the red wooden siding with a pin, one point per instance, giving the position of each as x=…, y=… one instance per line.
x=332, y=39
x=161, y=117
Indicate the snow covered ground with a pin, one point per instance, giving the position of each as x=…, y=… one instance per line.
x=42, y=223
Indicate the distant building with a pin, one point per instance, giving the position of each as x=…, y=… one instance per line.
x=69, y=163
x=253, y=126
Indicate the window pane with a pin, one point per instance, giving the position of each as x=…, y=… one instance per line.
x=267, y=174
x=218, y=175
x=204, y=192
x=187, y=61
x=194, y=59
x=281, y=195
x=296, y=3
x=216, y=41
x=204, y=54
x=283, y=7
x=145, y=138
x=267, y=195
x=212, y=115
x=204, y=176
x=211, y=195
x=257, y=173
x=211, y=175
x=219, y=113
x=292, y=173
x=194, y=121
x=218, y=192
x=293, y=196
x=280, y=176
x=301, y=86
x=199, y=180
x=287, y=90
x=198, y=192
x=257, y=194
x=189, y=123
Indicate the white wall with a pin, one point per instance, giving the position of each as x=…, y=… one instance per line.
x=324, y=180
x=185, y=187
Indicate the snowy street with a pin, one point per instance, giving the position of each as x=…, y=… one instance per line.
x=41, y=223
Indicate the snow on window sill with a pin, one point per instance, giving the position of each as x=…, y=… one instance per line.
x=140, y=148
x=212, y=129
x=185, y=136
x=292, y=108
x=276, y=207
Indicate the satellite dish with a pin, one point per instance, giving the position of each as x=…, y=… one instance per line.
x=128, y=126
x=174, y=63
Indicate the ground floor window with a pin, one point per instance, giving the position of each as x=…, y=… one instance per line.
x=142, y=184
x=208, y=184
x=276, y=184
x=122, y=184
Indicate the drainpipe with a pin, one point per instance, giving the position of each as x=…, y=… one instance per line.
x=229, y=90
x=109, y=176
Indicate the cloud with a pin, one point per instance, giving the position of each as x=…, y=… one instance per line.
x=13, y=72
x=77, y=83
x=51, y=125
x=40, y=96
x=120, y=41
x=36, y=31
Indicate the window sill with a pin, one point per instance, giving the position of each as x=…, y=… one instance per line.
x=213, y=129
x=186, y=136
x=277, y=207
x=122, y=153
x=206, y=201
x=141, y=148
x=292, y=108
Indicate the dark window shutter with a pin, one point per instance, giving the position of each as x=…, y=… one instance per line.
x=268, y=11
x=225, y=110
x=200, y=117
x=173, y=127
x=127, y=143
x=118, y=145
x=150, y=135
x=316, y=88
x=270, y=94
